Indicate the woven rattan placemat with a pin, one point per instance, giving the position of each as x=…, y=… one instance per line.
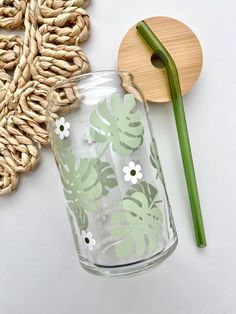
x=49, y=52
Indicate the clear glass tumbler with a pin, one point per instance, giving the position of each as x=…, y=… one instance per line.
x=113, y=183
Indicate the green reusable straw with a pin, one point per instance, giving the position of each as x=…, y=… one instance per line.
x=180, y=120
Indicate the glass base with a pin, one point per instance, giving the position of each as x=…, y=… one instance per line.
x=130, y=269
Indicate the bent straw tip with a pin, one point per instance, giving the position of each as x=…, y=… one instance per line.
x=140, y=24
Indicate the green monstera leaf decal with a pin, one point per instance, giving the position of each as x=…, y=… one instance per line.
x=83, y=184
x=155, y=161
x=138, y=221
x=106, y=174
x=120, y=125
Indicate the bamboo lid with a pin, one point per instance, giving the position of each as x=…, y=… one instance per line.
x=149, y=74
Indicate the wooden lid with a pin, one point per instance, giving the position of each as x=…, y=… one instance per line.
x=136, y=57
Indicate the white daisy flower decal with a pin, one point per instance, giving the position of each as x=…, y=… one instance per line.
x=88, y=239
x=62, y=128
x=132, y=172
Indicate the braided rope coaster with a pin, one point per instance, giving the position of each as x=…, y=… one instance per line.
x=49, y=52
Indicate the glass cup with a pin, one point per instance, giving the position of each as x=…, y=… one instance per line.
x=112, y=178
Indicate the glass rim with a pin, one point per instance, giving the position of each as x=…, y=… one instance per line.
x=81, y=76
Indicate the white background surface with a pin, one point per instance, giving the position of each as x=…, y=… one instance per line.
x=39, y=269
